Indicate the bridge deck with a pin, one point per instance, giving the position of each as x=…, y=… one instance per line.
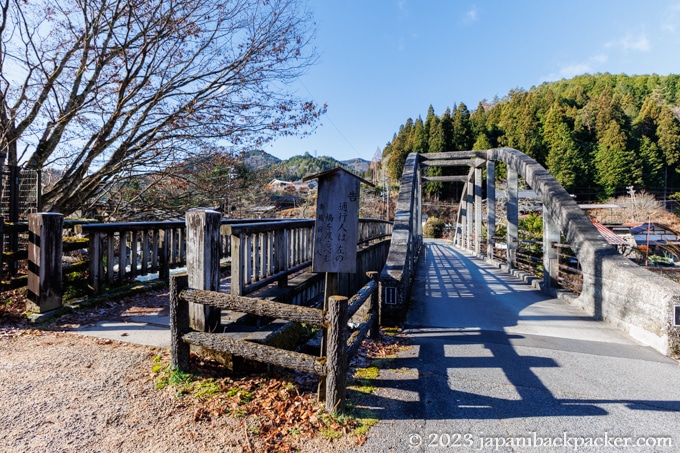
x=491, y=356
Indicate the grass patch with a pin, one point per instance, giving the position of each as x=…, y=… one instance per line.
x=281, y=409
x=206, y=389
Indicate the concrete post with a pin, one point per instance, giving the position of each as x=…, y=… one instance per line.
x=45, y=249
x=551, y=235
x=463, y=220
x=203, y=264
x=470, y=210
x=490, y=208
x=513, y=218
x=478, y=210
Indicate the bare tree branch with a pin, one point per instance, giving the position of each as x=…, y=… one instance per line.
x=108, y=88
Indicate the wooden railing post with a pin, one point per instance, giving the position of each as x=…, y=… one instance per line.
x=2, y=239
x=336, y=353
x=96, y=265
x=281, y=244
x=164, y=256
x=45, y=249
x=179, y=323
x=238, y=258
x=203, y=264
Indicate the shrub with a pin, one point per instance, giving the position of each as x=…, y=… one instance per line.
x=434, y=228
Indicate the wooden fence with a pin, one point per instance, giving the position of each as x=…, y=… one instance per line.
x=340, y=345
x=120, y=252
x=267, y=251
x=70, y=243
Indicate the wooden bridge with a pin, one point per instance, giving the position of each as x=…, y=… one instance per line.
x=269, y=264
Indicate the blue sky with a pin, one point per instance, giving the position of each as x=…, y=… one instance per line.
x=383, y=61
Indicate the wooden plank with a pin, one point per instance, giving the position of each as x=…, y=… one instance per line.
x=445, y=178
x=110, y=257
x=95, y=253
x=122, y=256
x=453, y=155
x=145, y=252
x=154, y=250
x=250, y=228
x=257, y=352
x=203, y=264
x=45, y=261
x=277, y=277
x=253, y=306
x=337, y=223
x=134, y=238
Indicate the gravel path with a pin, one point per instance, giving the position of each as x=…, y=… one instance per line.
x=64, y=392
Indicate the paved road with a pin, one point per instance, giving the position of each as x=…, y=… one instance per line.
x=498, y=366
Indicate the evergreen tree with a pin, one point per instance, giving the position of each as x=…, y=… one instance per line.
x=463, y=138
x=613, y=161
x=668, y=132
x=446, y=122
x=563, y=160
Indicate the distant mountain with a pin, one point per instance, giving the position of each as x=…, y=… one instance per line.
x=297, y=167
x=360, y=166
x=256, y=160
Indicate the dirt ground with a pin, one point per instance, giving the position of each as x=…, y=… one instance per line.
x=63, y=392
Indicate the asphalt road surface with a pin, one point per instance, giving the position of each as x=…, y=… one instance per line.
x=496, y=365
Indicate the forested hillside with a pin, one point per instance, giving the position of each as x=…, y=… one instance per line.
x=597, y=134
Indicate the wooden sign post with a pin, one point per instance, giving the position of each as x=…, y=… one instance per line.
x=336, y=233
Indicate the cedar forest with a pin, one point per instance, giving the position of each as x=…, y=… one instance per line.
x=596, y=134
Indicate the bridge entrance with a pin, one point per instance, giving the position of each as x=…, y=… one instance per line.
x=614, y=289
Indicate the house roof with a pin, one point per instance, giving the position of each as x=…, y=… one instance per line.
x=609, y=235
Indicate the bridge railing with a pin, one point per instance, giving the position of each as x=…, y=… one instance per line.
x=120, y=252
x=407, y=238
x=568, y=275
x=265, y=251
x=611, y=286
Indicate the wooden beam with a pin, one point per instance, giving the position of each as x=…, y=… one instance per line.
x=454, y=155
x=336, y=354
x=257, y=352
x=254, y=306
x=448, y=163
x=446, y=178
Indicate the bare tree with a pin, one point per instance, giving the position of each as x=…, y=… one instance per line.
x=107, y=89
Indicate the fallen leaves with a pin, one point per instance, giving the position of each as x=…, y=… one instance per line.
x=280, y=410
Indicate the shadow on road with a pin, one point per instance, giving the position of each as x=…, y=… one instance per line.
x=464, y=363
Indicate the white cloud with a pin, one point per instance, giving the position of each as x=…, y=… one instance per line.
x=600, y=58
x=471, y=15
x=572, y=70
x=567, y=71
x=670, y=20
x=638, y=42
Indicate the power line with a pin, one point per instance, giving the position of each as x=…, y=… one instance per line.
x=330, y=119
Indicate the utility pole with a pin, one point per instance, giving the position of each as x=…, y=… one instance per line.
x=386, y=196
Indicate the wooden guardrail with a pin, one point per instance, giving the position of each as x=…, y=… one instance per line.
x=340, y=345
x=569, y=276
x=123, y=251
x=13, y=258
x=120, y=252
x=271, y=252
